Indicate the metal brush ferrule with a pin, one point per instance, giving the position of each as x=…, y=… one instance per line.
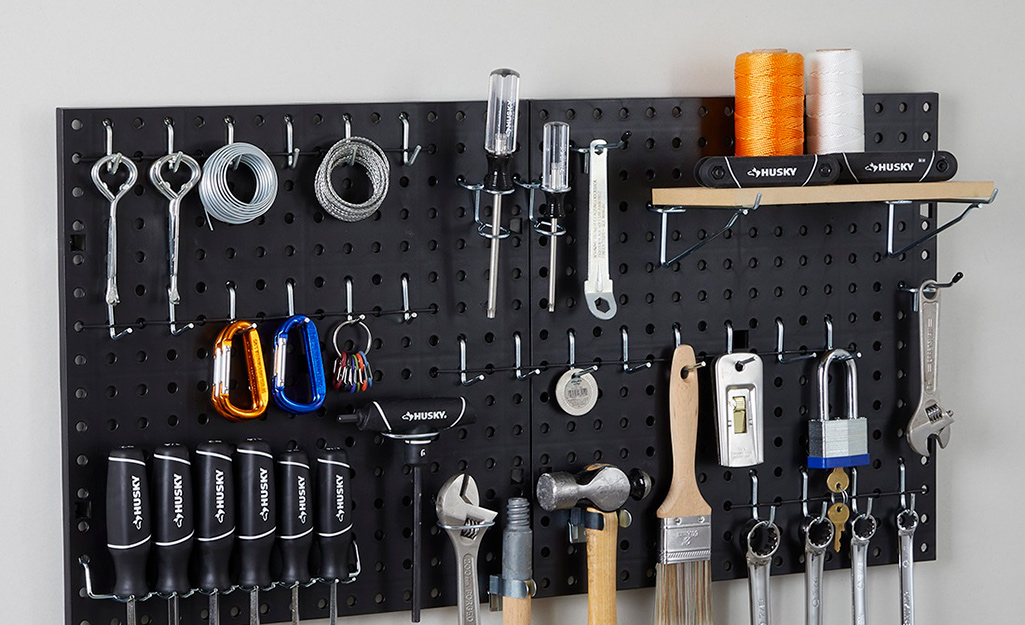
x=685, y=539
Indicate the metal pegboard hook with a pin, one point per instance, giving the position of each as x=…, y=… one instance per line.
x=230, y=286
x=828, y=322
x=347, y=122
x=903, y=486
x=176, y=159
x=349, y=314
x=172, y=321
x=87, y=572
x=729, y=336
x=754, y=493
x=293, y=152
x=112, y=164
x=290, y=290
x=520, y=375
x=664, y=211
x=571, y=338
x=891, y=207
x=928, y=288
x=623, y=142
x=407, y=158
x=677, y=339
x=780, y=351
x=484, y=229
x=229, y=123
x=408, y=315
x=462, y=365
x=627, y=367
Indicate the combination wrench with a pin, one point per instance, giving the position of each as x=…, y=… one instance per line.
x=818, y=536
x=863, y=528
x=762, y=542
x=929, y=419
x=907, y=523
x=601, y=300
x=465, y=521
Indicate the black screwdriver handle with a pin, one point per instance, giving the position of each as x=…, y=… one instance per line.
x=257, y=520
x=174, y=525
x=334, y=513
x=128, y=520
x=413, y=416
x=215, y=519
x=295, y=516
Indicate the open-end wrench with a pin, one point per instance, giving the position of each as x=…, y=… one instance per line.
x=762, y=542
x=907, y=523
x=598, y=288
x=465, y=521
x=863, y=528
x=818, y=536
x=930, y=419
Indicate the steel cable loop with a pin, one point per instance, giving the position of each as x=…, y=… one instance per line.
x=353, y=151
x=218, y=200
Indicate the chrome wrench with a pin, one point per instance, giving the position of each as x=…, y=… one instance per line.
x=465, y=521
x=598, y=287
x=863, y=528
x=759, y=559
x=907, y=523
x=930, y=419
x=818, y=536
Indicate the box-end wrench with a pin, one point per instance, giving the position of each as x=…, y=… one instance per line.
x=907, y=523
x=601, y=301
x=762, y=542
x=818, y=536
x=465, y=521
x=930, y=419
x=863, y=528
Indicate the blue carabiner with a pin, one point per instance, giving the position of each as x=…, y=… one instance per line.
x=314, y=364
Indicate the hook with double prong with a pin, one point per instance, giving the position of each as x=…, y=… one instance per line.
x=520, y=375
x=927, y=289
x=754, y=499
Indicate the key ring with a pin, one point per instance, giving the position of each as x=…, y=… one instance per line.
x=352, y=370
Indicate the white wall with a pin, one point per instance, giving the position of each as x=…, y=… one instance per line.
x=72, y=53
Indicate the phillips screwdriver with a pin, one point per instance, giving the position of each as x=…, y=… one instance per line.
x=500, y=144
x=295, y=523
x=257, y=522
x=555, y=184
x=334, y=523
x=174, y=525
x=128, y=525
x=215, y=525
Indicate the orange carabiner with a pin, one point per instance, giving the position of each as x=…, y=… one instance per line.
x=259, y=395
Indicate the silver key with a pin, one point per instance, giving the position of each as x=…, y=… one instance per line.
x=759, y=559
x=907, y=523
x=461, y=516
x=930, y=419
x=863, y=528
x=818, y=536
x=576, y=392
x=601, y=301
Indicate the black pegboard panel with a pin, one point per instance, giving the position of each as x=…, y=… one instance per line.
x=796, y=263
x=150, y=388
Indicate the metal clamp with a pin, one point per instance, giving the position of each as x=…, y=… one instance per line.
x=665, y=211
x=484, y=229
x=500, y=587
x=582, y=519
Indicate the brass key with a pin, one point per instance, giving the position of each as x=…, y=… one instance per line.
x=838, y=515
x=837, y=480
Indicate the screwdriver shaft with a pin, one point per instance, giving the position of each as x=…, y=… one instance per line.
x=332, y=610
x=552, y=257
x=214, y=618
x=130, y=612
x=254, y=606
x=496, y=226
x=417, y=520
x=295, y=604
x=172, y=610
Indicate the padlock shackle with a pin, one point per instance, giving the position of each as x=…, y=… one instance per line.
x=844, y=357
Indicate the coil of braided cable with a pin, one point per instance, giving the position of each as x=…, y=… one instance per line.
x=353, y=151
x=217, y=197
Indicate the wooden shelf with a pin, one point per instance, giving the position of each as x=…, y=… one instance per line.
x=961, y=192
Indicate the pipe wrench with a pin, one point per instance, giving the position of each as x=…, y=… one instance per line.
x=929, y=419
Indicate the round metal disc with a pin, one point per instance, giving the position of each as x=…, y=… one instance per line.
x=576, y=395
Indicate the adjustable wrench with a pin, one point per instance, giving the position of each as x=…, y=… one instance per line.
x=759, y=559
x=465, y=521
x=598, y=287
x=907, y=523
x=930, y=419
x=863, y=528
x=818, y=536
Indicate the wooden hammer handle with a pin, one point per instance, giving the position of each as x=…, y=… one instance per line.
x=515, y=611
x=601, y=570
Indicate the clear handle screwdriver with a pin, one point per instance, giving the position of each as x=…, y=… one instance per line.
x=555, y=184
x=500, y=144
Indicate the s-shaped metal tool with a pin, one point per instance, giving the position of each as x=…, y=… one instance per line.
x=173, y=160
x=465, y=521
x=907, y=523
x=113, y=162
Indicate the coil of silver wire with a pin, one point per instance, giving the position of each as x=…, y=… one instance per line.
x=219, y=201
x=353, y=151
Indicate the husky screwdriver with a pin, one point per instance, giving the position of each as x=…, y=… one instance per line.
x=334, y=523
x=215, y=524
x=257, y=522
x=128, y=525
x=295, y=523
x=174, y=525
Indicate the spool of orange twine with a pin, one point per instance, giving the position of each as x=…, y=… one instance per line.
x=769, y=109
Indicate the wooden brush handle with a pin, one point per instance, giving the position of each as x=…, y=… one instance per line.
x=684, y=498
x=601, y=570
x=515, y=611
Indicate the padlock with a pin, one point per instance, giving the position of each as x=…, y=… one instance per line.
x=838, y=442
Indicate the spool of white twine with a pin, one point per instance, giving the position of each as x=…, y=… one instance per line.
x=835, y=102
